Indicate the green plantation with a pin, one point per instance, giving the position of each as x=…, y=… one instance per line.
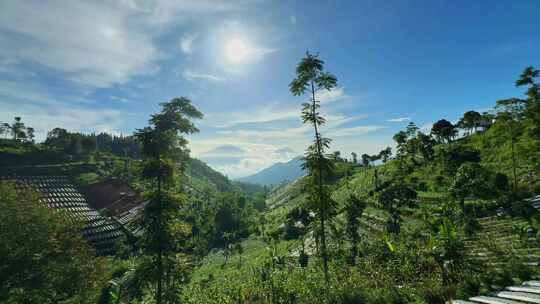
x=451, y=212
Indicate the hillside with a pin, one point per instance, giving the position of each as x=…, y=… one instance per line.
x=447, y=216
x=200, y=173
x=277, y=173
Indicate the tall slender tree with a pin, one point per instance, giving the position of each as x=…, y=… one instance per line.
x=310, y=79
x=165, y=153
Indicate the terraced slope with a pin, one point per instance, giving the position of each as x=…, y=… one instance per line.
x=535, y=202
x=502, y=238
x=528, y=292
x=59, y=193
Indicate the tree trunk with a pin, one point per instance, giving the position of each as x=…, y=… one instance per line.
x=354, y=249
x=320, y=188
x=514, y=162
x=159, y=289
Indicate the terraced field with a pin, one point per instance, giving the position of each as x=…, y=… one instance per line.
x=499, y=239
x=528, y=292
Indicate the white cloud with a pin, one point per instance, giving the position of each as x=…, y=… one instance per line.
x=244, y=167
x=165, y=11
x=354, y=131
x=225, y=150
x=330, y=96
x=260, y=115
x=97, y=43
x=399, y=119
x=191, y=75
x=239, y=50
x=120, y=98
x=93, y=43
x=278, y=112
x=186, y=43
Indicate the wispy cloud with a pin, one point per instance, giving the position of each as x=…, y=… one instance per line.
x=399, y=119
x=225, y=150
x=329, y=96
x=98, y=44
x=355, y=131
x=95, y=44
x=275, y=112
x=186, y=43
x=120, y=98
x=191, y=75
x=168, y=11
x=260, y=115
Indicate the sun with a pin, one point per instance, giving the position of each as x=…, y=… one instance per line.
x=236, y=50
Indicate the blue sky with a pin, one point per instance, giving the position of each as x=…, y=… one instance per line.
x=105, y=66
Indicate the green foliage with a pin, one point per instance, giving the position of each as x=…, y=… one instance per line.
x=165, y=237
x=354, y=208
x=394, y=199
x=474, y=181
x=444, y=131
x=449, y=252
x=43, y=258
x=470, y=121
x=18, y=131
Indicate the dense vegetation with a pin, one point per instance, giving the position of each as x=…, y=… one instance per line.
x=43, y=256
x=381, y=228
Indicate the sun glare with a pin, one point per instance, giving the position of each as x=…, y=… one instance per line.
x=236, y=50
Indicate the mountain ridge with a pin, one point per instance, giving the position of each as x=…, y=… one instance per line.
x=276, y=173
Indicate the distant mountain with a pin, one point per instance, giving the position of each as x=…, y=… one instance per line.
x=277, y=173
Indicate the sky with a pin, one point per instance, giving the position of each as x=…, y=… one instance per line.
x=104, y=66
